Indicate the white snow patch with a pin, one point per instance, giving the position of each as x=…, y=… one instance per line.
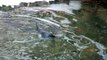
x=74, y=19
x=21, y=15
x=75, y=5
x=60, y=7
x=48, y=21
x=66, y=21
x=44, y=20
x=34, y=9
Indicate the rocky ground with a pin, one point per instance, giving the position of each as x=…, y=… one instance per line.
x=19, y=39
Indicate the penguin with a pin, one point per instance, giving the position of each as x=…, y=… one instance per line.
x=43, y=33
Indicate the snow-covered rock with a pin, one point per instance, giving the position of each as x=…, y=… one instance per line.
x=74, y=5
x=60, y=7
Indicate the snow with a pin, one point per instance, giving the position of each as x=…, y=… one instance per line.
x=48, y=21
x=1, y=12
x=34, y=9
x=54, y=7
x=66, y=21
x=44, y=20
x=74, y=5
x=74, y=19
x=60, y=7
x=21, y=15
